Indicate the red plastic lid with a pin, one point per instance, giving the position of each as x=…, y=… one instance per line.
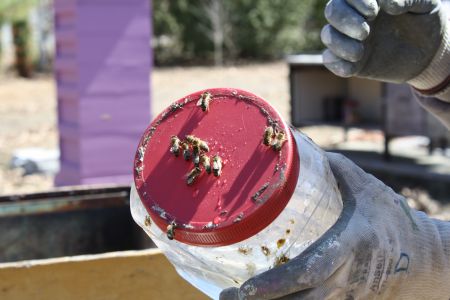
x=254, y=186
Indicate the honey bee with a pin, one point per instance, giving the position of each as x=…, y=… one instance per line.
x=279, y=140
x=191, y=139
x=196, y=159
x=196, y=152
x=268, y=134
x=196, y=142
x=204, y=146
x=204, y=159
x=147, y=221
x=171, y=230
x=193, y=175
x=186, y=151
x=175, y=145
x=203, y=102
x=196, y=146
x=217, y=165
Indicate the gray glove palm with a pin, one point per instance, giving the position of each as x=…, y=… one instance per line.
x=388, y=40
x=379, y=248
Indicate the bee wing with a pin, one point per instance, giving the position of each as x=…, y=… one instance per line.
x=199, y=102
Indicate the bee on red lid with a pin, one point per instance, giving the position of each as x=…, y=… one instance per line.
x=204, y=159
x=280, y=138
x=203, y=145
x=191, y=139
x=204, y=100
x=193, y=175
x=171, y=230
x=196, y=159
x=175, y=145
x=217, y=165
x=268, y=135
x=186, y=151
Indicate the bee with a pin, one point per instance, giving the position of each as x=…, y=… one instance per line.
x=196, y=152
x=191, y=139
x=217, y=165
x=203, y=146
x=196, y=146
x=203, y=102
x=171, y=230
x=268, y=135
x=196, y=159
x=196, y=142
x=147, y=221
x=204, y=159
x=193, y=175
x=186, y=151
x=175, y=145
x=279, y=140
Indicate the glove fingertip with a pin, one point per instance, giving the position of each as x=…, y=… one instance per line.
x=229, y=294
x=368, y=8
x=340, y=45
x=325, y=34
x=337, y=65
x=346, y=20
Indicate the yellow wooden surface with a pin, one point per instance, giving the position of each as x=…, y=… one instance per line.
x=120, y=275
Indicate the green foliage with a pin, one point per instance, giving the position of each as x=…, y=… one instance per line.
x=13, y=10
x=313, y=24
x=251, y=29
x=16, y=13
x=266, y=28
x=179, y=31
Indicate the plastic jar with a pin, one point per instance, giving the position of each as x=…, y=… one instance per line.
x=267, y=206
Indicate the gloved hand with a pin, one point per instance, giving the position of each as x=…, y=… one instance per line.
x=379, y=248
x=389, y=40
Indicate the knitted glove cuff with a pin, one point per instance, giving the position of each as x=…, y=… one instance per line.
x=435, y=80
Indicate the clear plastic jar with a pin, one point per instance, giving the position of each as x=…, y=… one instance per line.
x=312, y=209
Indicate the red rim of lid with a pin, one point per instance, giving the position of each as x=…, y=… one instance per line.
x=162, y=199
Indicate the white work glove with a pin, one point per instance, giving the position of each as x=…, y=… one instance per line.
x=390, y=40
x=378, y=249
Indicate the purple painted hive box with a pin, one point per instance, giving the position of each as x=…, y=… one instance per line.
x=102, y=70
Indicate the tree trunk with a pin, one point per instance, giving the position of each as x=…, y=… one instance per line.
x=21, y=35
x=214, y=10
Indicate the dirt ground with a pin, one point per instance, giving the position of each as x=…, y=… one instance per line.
x=27, y=119
x=28, y=113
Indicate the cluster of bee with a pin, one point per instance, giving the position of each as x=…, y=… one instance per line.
x=274, y=138
x=204, y=100
x=195, y=149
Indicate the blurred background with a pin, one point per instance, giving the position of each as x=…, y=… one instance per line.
x=80, y=80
